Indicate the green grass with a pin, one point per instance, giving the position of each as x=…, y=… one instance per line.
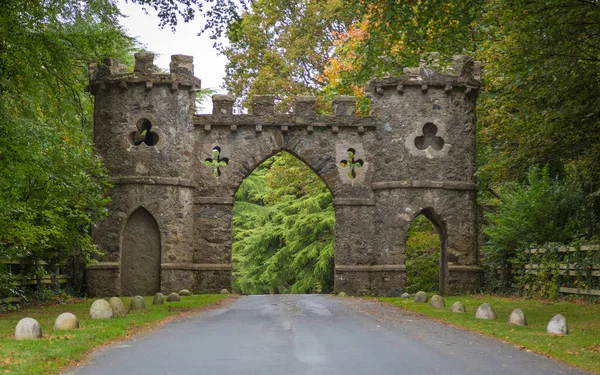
x=581, y=347
x=58, y=349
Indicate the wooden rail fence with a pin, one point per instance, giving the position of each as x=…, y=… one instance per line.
x=568, y=269
x=14, y=267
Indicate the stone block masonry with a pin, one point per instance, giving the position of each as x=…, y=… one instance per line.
x=175, y=175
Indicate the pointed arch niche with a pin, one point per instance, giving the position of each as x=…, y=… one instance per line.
x=275, y=253
x=425, y=244
x=140, y=255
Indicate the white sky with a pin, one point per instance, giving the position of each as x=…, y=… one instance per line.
x=208, y=65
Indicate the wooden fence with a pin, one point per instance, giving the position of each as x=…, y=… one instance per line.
x=569, y=270
x=15, y=268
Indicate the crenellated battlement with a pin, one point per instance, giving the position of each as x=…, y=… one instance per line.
x=111, y=73
x=304, y=115
x=463, y=74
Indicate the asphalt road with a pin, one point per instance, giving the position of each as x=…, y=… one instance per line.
x=313, y=334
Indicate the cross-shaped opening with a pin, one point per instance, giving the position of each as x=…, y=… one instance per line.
x=143, y=134
x=429, y=138
x=216, y=162
x=352, y=163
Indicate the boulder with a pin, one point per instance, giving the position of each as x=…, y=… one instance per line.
x=28, y=328
x=101, y=310
x=485, y=311
x=66, y=321
x=421, y=297
x=517, y=317
x=117, y=306
x=159, y=299
x=185, y=292
x=437, y=302
x=458, y=307
x=342, y=294
x=137, y=303
x=224, y=291
x=405, y=296
x=173, y=297
x=558, y=325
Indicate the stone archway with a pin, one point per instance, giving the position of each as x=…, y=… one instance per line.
x=416, y=149
x=140, y=255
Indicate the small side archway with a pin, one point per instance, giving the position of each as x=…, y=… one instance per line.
x=140, y=254
x=440, y=228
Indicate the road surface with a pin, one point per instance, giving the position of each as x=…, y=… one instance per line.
x=313, y=335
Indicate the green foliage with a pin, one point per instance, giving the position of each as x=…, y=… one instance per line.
x=422, y=256
x=283, y=230
x=52, y=186
x=544, y=209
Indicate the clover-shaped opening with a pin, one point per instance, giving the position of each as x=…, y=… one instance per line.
x=429, y=138
x=143, y=134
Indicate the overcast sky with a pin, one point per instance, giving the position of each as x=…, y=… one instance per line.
x=208, y=66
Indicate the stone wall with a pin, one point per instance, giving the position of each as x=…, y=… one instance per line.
x=414, y=155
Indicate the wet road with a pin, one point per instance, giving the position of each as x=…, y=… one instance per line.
x=313, y=334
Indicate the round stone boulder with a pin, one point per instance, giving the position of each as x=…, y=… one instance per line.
x=458, y=307
x=224, y=291
x=173, y=297
x=517, y=317
x=437, y=302
x=421, y=297
x=185, y=292
x=28, y=328
x=558, y=325
x=66, y=321
x=137, y=303
x=117, y=306
x=485, y=311
x=405, y=296
x=101, y=310
x=158, y=299
x=342, y=294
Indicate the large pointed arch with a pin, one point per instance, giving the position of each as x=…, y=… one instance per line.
x=140, y=254
x=313, y=270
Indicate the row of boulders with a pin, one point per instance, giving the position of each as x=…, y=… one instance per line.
x=101, y=309
x=29, y=328
x=556, y=326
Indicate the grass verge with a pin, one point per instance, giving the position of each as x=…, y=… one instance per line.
x=59, y=349
x=581, y=347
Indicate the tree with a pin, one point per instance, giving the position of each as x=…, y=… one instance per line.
x=541, y=101
x=52, y=186
x=283, y=230
x=282, y=47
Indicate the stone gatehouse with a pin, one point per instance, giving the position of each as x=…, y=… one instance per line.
x=175, y=174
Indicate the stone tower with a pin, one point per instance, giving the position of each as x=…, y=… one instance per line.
x=143, y=130
x=426, y=162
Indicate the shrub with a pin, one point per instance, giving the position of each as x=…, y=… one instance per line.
x=541, y=210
